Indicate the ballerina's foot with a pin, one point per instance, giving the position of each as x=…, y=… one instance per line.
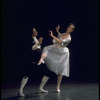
x=58, y=90
x=42, y=91
x=21, y=94
x=39, y=63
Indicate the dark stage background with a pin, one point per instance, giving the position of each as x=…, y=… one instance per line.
x=17, y=20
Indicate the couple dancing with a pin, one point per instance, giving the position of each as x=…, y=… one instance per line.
x=55, y=56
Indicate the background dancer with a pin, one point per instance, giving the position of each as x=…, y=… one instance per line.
x=36, y=53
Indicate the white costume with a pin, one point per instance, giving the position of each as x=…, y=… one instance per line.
x=36, y=46
x=57, y=59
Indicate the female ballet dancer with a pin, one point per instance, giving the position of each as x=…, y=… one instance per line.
x=36, y=48
x=56, y=56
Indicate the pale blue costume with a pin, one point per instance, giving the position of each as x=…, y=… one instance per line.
x=57, y=59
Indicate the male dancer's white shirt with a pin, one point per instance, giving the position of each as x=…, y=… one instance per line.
x=36, y=46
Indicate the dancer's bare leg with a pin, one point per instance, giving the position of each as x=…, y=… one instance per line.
x=43, y=82
x=22, y=85
x=59, y=79
x=42, y=58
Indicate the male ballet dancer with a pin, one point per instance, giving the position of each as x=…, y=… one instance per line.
x=36, y=48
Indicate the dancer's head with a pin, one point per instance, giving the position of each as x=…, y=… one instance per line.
x=35, y=33
x=70, y=28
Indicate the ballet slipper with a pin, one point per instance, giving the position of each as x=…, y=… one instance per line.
x=21, y=94
x=41, y=90
x=58, y=90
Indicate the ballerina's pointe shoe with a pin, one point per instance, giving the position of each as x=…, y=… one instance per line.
x=58, y=91
x=42, y=91
x=21, y=94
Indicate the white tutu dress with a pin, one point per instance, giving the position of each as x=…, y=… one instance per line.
x=57, y=59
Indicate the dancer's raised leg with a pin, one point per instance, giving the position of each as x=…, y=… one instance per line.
x=43, y=56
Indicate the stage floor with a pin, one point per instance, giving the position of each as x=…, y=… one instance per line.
x=69, y=91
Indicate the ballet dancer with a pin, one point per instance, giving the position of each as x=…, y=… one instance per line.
x=36, y=48
x=56, y=56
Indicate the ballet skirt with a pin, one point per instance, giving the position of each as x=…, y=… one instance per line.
x=57, y=59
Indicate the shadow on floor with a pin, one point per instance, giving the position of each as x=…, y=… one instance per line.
x=39, y=96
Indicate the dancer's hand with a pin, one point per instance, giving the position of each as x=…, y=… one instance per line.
x=57, y=39
x=40, y=40
x=57, y=28
x=51, y=33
